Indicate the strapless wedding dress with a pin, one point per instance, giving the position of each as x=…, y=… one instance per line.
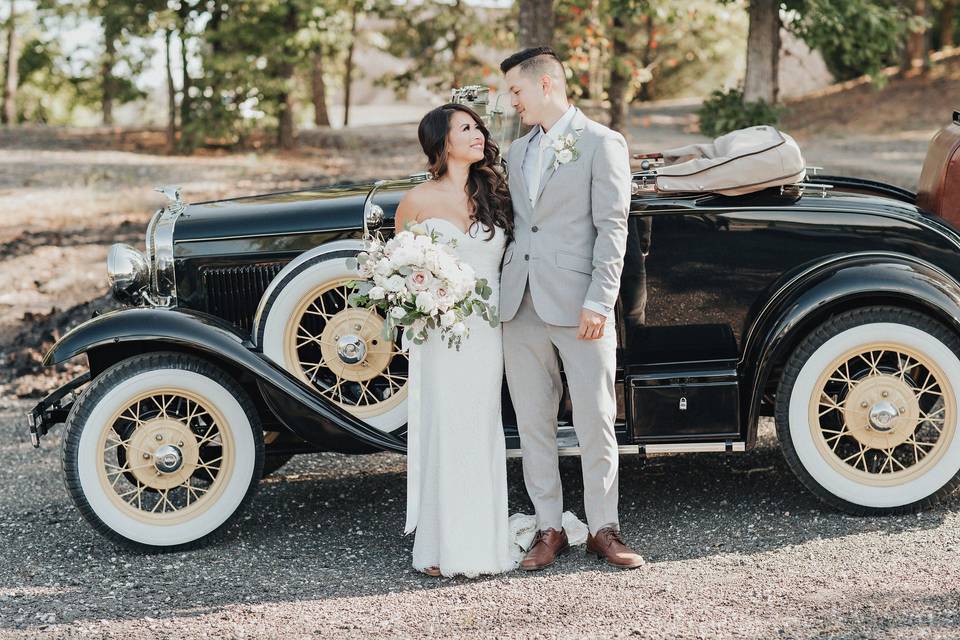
x=456, y=455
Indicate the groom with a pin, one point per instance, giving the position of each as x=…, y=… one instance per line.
x=570, y=184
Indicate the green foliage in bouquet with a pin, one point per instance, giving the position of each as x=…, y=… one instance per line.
x=400, y=310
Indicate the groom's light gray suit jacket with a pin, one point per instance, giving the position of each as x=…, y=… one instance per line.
x=570, y=243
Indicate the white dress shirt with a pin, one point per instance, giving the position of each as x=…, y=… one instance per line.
x=538, y=159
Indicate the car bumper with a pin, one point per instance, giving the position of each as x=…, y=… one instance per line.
x=54, y=408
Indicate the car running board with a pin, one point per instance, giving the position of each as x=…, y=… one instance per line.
x=567, y=445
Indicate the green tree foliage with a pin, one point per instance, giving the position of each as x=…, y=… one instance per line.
x=624, y=50
x=444, y=40
x=856, y=37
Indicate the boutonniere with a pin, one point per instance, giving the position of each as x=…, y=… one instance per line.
x=566, y=150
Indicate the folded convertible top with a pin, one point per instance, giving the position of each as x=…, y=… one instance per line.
x=739, y=162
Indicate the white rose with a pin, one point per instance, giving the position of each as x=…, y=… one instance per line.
x=558, y=144
x=377, y=293
x=418, y=229
x=419, y=280
x=448, y=319
x=406, y=255
x=422, y=242
x=444, y=295
x=565, y=156
x=383, y=268
x=426, y=302
x=458, y=329
x=570, y=139
x=398, y=312
x=394, y=283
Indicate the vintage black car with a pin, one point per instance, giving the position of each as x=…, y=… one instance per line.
x=832, y=304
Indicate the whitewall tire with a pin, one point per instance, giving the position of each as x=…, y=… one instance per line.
x=867, y=412
x=161, y=451
x=309, y=330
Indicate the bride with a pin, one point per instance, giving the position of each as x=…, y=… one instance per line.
x=456, y=458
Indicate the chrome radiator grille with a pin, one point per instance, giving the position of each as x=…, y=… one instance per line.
x=233, y=293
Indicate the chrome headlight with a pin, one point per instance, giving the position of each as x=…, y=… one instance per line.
x=128, y=272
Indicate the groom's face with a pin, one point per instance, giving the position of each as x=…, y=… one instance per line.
x=527, y=95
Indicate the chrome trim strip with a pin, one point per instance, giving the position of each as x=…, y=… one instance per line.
x=266, y=235
x=692, y=447
x=575, y=451
x=164, y=279
x=151, y=229
x=336, y=245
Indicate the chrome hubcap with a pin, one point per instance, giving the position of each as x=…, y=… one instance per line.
x=167, y=458
x=351, y=349
x=881, y=416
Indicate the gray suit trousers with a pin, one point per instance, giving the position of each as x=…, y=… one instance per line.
x=530, y=348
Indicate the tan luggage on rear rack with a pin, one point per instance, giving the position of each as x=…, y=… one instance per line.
x=739, y=162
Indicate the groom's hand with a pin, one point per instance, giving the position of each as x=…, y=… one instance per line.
x=591, y=325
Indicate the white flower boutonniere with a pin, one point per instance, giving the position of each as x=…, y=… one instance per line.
x=566, y=150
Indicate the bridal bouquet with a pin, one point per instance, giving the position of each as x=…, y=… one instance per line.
x=416, y=281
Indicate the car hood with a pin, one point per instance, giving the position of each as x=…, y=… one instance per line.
x=338, y=207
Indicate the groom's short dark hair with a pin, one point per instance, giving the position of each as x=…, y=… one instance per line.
x=537, y=59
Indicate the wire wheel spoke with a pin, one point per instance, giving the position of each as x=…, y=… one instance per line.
x=142, y=433
x=859, y=389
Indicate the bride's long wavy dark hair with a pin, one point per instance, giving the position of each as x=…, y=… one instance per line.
x=486, y=185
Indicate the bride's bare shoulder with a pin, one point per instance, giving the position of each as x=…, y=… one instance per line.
x=411, y=206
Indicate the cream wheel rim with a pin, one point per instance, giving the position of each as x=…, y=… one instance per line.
x=340, y=351
x=165, y=456
x=882, y=414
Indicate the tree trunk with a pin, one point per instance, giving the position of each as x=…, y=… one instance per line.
x=915, y=52
x=348, y=75
x=619, y=74
x=536, y=23
x=763, y=52
x=647, y=92
x=106, y=72
x=171, y=95
x=186, y=102
x=285, y=134
x=320, y=116
x=948, y=19
x=10, y=80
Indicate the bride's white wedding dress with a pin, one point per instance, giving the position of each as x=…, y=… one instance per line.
x=456, y=455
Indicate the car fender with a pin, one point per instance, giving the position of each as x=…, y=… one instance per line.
x=337, y=248
x=296, y=405
x=836, y=285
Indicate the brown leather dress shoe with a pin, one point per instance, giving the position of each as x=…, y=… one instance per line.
x=547, y=545
x=432, y=571
x=608, y=545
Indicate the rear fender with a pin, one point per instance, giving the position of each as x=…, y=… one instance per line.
x=839, y=285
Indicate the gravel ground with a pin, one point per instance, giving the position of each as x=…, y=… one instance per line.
x=736, y=549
